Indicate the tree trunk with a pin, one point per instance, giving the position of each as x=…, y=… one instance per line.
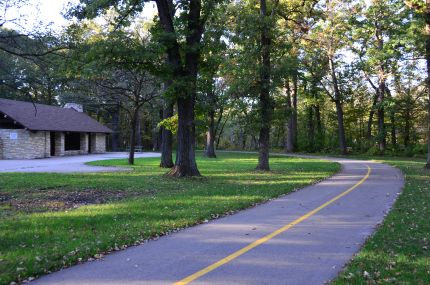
x=294, y=122
x=320, y=137
x=210, y=136
x=185, y=165
x=166, y=138
x=311, y=129
x=342, y=139
x=265, y=100
x=115, y=128
x=290, y=123
x=381, y=95
x=134, y=119
x=381, y=118
x=185, y=78
x=339, y=109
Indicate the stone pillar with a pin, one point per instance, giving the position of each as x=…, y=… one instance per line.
x=84, y=143
x=98, y=143
x=59, y=144
x=47, y=144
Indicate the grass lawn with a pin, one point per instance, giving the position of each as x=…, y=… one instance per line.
x=399, y=252
x=45, y=224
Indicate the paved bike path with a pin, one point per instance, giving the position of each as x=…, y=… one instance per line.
x=312, y=251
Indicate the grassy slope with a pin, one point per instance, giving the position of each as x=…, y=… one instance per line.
x=31, y=244
x=399, y=252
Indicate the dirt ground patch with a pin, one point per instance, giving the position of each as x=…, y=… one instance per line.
x=59, y=200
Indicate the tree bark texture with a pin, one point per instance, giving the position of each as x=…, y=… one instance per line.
x=320, y=133
x=290, y=123
x=339, y=108
x=134, y=119
x=185, y=165
x=186, y=76
x=265, y=100
x=381, y=94
x=295, y=112
x=210, y=136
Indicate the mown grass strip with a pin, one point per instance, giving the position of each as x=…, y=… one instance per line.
x=399, y=252
x=32, y=244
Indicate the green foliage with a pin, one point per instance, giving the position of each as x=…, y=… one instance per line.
x=170, y=124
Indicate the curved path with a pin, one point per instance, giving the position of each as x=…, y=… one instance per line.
x=68, y=164
x=302, y=238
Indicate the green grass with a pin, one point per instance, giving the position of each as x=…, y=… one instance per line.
x=32, y=244
x=399, y=252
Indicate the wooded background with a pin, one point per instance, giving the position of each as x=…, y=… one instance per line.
x=287, y=75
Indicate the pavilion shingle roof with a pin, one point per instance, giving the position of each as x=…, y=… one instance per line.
x=39, y=117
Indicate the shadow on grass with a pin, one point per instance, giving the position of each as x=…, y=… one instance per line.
x=32, y=244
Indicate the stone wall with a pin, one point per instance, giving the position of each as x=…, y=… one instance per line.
x=98, y=143
x=47, y=144
x=84, y=143
x=23, y=144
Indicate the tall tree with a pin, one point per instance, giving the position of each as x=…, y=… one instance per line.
x=423, y=9
x=266, y=107
x=330, y=37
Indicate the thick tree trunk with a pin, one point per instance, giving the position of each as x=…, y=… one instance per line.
x=134, y=119
x=186, y=78
x=294, y=122
x=339, y=109
x=381, y=118
x=427, y=33
x=265, y=100
x=381, y=95
x=185, y=165
x=320, y=136
x=166, y=138
x=210, y=136
x=342, y=139
x=290, y=123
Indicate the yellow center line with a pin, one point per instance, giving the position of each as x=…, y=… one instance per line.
x=268, y=237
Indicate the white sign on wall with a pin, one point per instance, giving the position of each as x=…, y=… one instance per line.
x=13, y=136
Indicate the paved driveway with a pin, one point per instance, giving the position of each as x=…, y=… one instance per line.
x=304, y=238
x=67, y=164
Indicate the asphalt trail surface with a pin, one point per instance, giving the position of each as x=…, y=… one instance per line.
x=305, y=237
